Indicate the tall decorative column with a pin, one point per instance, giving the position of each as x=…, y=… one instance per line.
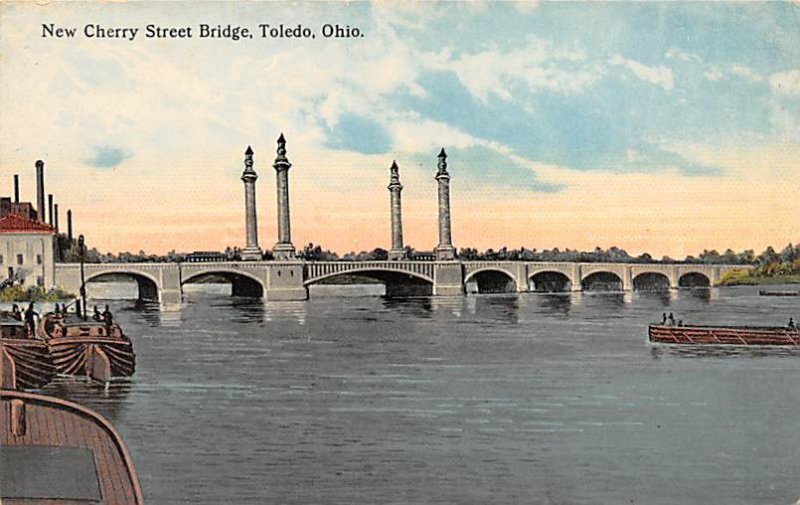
x=249, y=176
x=283, y=249
x=445, y=249
x=397, y=252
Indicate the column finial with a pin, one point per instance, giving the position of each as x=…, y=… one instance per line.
x=442, y=163
x=281, y=160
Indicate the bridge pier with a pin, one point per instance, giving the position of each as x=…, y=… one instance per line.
x=285, y=282
x=521, y=277
x=627, y=279
x=673, y=278
x=170, y=292
x=448, y=279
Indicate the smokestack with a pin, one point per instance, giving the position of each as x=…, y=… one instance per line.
x=16, y=188
x=69, y=225
x=40, y=190
x=50, y=209
x=55, y=217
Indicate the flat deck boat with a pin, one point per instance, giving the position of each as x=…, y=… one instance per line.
x=57, y=452
x=724, y=335
x=25, y=362
x=764, y=292
x=90, y=347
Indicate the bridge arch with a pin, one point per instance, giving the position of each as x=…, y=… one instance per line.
x=491, y=280
x=149, y=288
x=602, y=280
x=399, y=283
x=242, y=283
x=651, y=281
x=694, y=279
x=550, y=281
x=365, y=271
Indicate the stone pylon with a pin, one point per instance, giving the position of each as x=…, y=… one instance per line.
x=397, y=252
x=251, y=251
x=445, y=250
x=283, y=249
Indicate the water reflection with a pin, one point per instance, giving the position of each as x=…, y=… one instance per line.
x=723, y=351
x=499, y=307
x=558, y=302
x=452, y=305
x=148, y=312
x=248, y=310
x=663, y=298
x=421, y=307
x=293, y=311
x=703, y=295
x=609, y=300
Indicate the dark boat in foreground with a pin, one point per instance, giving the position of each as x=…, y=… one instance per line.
x=724, y=335
x=25, y=362
x=91, y=348
x=764, y=292
x=57, y=452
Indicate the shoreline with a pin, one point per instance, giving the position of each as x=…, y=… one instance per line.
x=760, y=281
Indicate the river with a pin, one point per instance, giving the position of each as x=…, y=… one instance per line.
x=551, y=399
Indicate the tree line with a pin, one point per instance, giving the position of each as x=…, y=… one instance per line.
x=769, y=262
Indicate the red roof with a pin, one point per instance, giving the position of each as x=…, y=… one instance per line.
x=19, y=224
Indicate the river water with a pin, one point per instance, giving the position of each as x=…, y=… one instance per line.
x=551, y=399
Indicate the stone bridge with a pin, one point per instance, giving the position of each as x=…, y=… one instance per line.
x=539, y=276
x=289, y=280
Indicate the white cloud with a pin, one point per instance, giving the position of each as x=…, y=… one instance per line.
x=747, y=73
x=540, y=65
x=713, y=75
x=786, y=83
x=659, y=76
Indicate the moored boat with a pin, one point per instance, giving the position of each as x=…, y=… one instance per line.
x=25, y=363
x=55, y=451
x=724, y=335
x=764, y=292
x=91, y=348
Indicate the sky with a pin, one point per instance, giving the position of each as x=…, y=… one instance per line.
x=668, y=127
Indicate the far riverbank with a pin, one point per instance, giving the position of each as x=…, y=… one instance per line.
x=745, y=279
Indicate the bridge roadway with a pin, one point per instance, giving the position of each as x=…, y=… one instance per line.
x=289, y=280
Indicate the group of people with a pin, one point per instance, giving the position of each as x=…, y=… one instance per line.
x=670, y=320
x=30, y=316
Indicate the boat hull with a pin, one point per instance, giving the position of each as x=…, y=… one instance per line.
x=724, y=335
x=88, y=348
x=100, y=358
x=55, y=451
x=25, y=364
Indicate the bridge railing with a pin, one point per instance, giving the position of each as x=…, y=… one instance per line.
x=320, y=269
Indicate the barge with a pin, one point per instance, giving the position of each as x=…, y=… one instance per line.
x=88, y=347
x=25, y=363
x=724, y=335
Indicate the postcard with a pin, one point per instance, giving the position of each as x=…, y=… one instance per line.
x=405, y=253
